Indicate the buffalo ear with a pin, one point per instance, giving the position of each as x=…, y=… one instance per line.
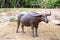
x=40, y=15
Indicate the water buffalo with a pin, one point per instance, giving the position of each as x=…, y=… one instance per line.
x=31, y=19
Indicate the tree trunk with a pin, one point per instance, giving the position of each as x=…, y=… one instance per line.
x=3, y=2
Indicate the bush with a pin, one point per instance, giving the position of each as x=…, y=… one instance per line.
x=12, y=19
x=57, y=4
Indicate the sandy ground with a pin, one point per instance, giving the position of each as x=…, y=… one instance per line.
x=45, y=31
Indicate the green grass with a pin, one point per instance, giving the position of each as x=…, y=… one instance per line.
x=22, y=9
x=14, y=9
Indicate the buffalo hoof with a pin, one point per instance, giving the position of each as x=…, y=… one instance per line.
x=23, y=32
x=16, y=31
x=37, y=35
x=33, y=35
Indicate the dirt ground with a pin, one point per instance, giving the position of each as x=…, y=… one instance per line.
x=45, y=31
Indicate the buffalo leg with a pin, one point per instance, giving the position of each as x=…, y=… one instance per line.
x=36, y=31
x=32, y=27
x=33, y=31
x=18, y=24
x=22, y=28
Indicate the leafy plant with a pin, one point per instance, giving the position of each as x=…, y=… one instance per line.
x=29, y=3
x=12, y=19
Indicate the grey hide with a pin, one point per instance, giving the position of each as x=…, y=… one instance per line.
x=31, y=19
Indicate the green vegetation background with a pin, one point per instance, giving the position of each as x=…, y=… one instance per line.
x=29, y=3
